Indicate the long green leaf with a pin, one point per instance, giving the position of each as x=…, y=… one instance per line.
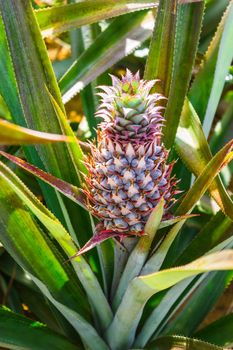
x=155, y=262
x=162, y=312
x=181, y=343
x=88, y=333
x=23, y=238
x=33, y=72
x=83, y=270
x=19, y=332
x=208, y=85
x=87, y=95
x=142, y=288
x=197, y=307
x=74, y=148
x=122, y=36
x=8, y=87
x=64, y=187
x=188, y=28
x=26, y=242
x=213, y=14
x=222, y=158
x=211, y=234
x=11, y=134
x=172, y=302
x=160, y=57
x=193, y=149
x=34, y=77
x=219, y=332
x=56, y=20
x=10, y=93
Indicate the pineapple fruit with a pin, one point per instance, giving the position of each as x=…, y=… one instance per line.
x=128, y=173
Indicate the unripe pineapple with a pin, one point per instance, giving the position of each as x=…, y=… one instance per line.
x=128, y=174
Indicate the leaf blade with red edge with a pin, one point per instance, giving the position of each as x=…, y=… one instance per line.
x=98, y=238
x=57, y=231
x=69, y=190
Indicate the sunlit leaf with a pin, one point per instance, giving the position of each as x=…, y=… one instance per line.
x=56, y=20
x=163, y=312
x=221, y=159
x=121, y=38
x=74, y=148
x=172, y=303
x=188, y=28
x=35, y=77
x=193, y=149
x=177, y=296
x=197, y=306
x=209, y=82
x=142, y=288
x=11, y=134
x=160, y=57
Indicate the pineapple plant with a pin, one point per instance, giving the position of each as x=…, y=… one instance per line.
x=98, y=251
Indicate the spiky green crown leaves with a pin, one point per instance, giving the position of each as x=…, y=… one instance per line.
x=128, y=111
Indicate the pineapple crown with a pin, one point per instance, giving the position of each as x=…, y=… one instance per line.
x=128, y=111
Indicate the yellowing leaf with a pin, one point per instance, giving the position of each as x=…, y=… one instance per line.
x=193, y=149
x=142, y=288
x=11, y=134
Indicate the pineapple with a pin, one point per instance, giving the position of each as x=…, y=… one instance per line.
x=128, y=173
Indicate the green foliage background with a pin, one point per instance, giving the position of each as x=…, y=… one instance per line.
x=113, y=297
